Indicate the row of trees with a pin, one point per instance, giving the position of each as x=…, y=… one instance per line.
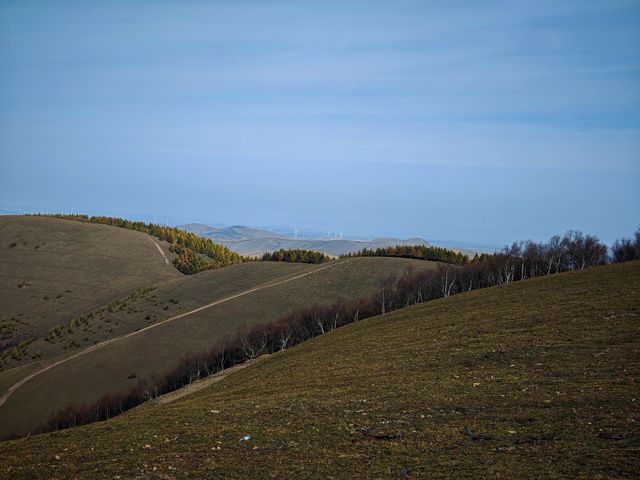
x=420, y=252
x=521, y=260
x=195, y=253
x=626, y=249
x=296, y=256
x=573, y=251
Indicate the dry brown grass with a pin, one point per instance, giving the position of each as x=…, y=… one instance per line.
x=52, y=271
x=537, y=379
x=117, y=366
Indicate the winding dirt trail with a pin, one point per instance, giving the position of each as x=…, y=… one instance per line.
x=166, y=260
x=87, y=350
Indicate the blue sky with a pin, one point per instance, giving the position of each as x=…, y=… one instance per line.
x=483, y=122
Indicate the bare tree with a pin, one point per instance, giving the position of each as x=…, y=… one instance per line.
x=447, y=279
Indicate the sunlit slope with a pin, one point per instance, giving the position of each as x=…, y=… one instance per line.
x=544, y=375
x=274, y=289
x=54, y=270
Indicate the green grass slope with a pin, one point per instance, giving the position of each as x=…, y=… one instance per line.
x=543, y=374
x=52, y=271
x=120, y=364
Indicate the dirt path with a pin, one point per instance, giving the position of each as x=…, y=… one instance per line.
x=17, y=385
x=166, y=260
x=205, y=382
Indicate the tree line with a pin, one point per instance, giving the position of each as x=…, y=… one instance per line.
x=420, y=252
x=295, y=255
x=626, y=249
x=521, y=260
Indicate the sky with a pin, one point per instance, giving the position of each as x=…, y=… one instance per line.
x=484, y=122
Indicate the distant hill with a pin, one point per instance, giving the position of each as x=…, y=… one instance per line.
x=252, y=241
x=235, y=233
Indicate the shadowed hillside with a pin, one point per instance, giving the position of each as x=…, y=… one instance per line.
x=536, y=379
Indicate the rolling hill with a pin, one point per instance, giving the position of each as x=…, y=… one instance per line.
x=152, y=324
x=158, y=349
x=54, y=270
x=537, y=379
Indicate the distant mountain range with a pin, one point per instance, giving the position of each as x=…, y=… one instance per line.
x=252, y=241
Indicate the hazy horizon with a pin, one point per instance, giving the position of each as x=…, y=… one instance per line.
x=308, y=232
x=483, y=124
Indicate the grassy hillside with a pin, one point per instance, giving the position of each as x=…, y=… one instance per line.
x=52, y=271
x=147, y=306
x=159, y=349
x=537, y=379
x=193, y=253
